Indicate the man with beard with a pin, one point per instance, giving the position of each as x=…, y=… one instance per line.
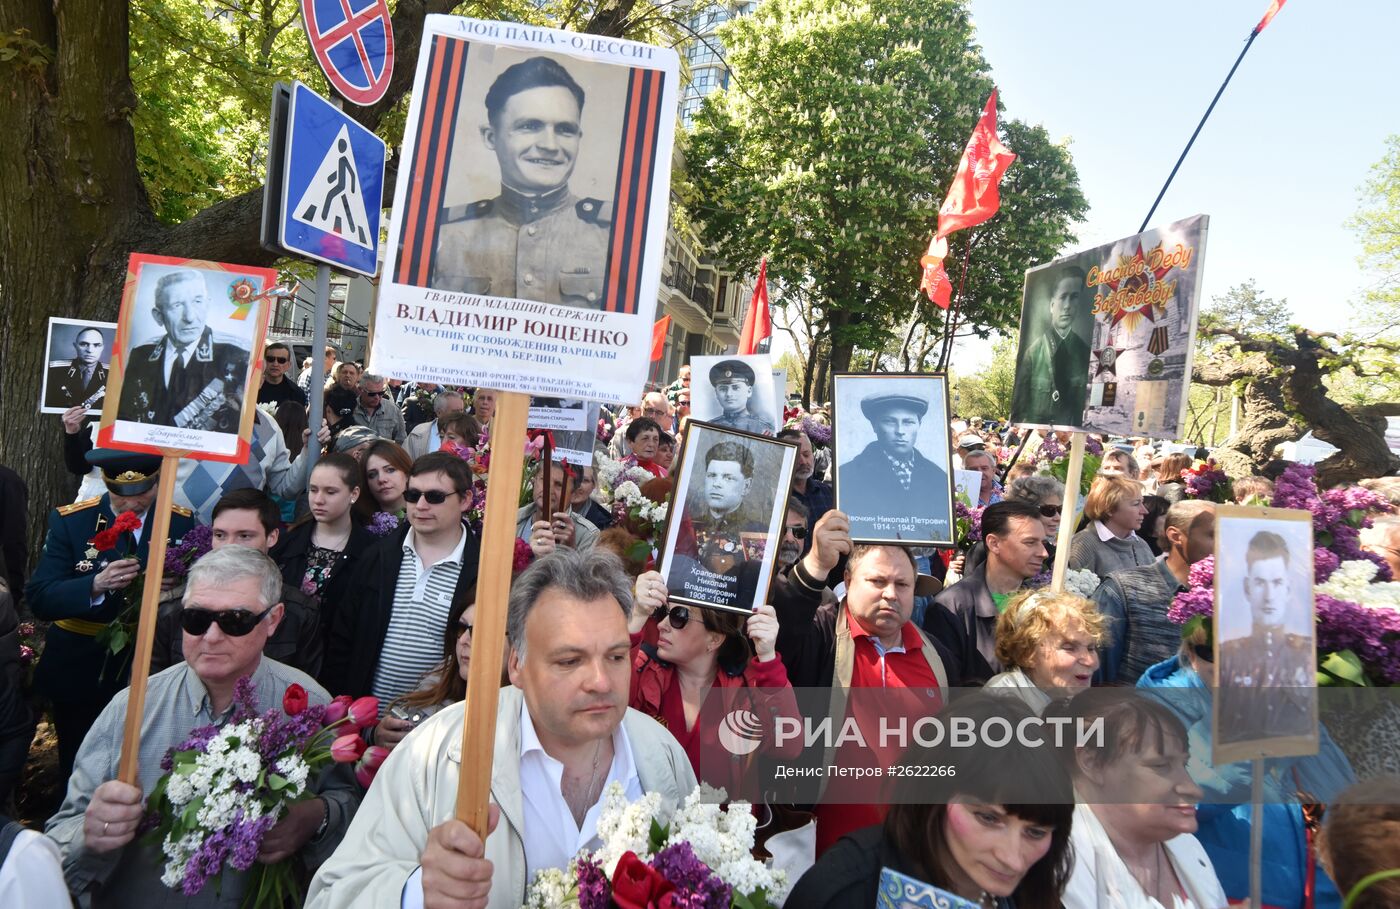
x=81, y=380
x=890, y=491
x=713, y=533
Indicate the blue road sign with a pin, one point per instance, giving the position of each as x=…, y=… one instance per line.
x=333, y=187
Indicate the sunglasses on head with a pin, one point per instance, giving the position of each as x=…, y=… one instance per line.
x=1049, y=511
x=678, y=615
x=271, y=359
x=434, y=496
x=233, y=622
x=798, y=531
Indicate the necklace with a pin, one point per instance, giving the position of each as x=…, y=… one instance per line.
x=337, y=546
x=589, y=797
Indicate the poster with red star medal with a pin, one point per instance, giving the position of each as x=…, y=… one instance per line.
x=1107, y=335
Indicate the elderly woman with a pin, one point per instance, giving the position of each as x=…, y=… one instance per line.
x=998, y=834
x=1133, y=826
x=1048, y=644
x=1047, y=494
x=644, y=437
x=1110, y=543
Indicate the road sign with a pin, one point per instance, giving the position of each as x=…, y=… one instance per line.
x=333, y=186
x=353, y=40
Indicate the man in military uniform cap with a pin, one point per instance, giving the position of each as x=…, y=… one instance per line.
x=81, y=380
x=1267, y=678
x=890, y=491
x=733, y=381
x=1053, y=377
x=536, y=240
x=188, y=378
x=81, y=588
x=713, y=534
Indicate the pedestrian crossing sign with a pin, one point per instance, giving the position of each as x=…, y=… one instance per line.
x=333, y=186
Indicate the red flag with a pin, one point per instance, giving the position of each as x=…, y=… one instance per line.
x=935, y=282
x=758, y=324
x=658, y=337
x=1269, y=16
x=975, y=194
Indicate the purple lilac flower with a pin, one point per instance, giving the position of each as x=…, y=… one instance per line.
x=697, y=887
x=818, y=433
x=594, y=892
x=1204, y=483
x=1186, y=606
x=197, y=740
x=1040, y=580
x=1325, y=562
x=245, y=700
x=1092, y=446
x=1373, y=634
x=1050, y=450
x=383, y=523
x=188, y=550
x=281, y=731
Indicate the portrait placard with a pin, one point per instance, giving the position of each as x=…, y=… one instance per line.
x=779, y=395
x=183, y=377
x=726, y=517
x=527, y=234
x=893, y=457
x=1107, y=335
x=75, y=373
x=572, y=423
x=735, y=392
x=1265, y=634
x=967, y=485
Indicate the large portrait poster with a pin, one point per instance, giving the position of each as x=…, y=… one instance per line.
x=1265, y=634
x=726, y=517
x=530, y=218
x=1107, y=335
x=893, y=458
x=183, y=377
x=736, y=392
x=79, y=355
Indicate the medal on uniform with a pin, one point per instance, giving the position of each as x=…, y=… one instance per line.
x=84, y=565
x=91, y=553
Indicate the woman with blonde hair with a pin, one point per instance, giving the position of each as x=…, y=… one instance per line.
x=1110, y=542
x=1049, y=645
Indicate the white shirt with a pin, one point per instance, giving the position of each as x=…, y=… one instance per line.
x=33, y=873
x=1105, y=534
x=171, y=352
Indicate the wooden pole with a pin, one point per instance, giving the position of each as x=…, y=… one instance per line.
x=130, y=763
x=1067, y=512
x=493, y=592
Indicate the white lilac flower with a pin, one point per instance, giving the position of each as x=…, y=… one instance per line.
x=179, y=790
x=245, y=764
x=553, y=888
x=1081, y=582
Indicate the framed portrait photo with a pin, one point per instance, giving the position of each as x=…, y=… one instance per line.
x=1265, y=634
x=183, y=377
x=726, y=517
x=79, y=357
x=735, y=392
x=893, y=457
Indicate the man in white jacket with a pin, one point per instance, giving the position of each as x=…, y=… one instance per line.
x=564, y=732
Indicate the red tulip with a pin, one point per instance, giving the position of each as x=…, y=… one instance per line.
x=347, y=748
x=637, y=885
x=364, y=711
x=295, y=699
x=368, y=767
x=337, y=709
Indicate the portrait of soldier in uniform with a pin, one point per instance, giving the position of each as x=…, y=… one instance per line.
x=187, y=376
x=1267, y=678
x=535, y=239
x=892, y=452
x=77, y=371
x=739, y=394
x=1052, y=373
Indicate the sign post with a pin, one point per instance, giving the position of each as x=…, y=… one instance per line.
x=1068, y=511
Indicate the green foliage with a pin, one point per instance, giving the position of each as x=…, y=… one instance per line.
x=987, y=392
x=1378, y=224
x=833, y=147
x=1244, y=308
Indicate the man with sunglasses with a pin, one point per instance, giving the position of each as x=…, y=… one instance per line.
x=388, y=632
x=371, y=412
x=276, y=387
x=230, y=610
x=814, y=495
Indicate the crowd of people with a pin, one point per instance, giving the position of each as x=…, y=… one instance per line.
x=358, y=577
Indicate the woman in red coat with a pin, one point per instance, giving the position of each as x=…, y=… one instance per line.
x=696, y=650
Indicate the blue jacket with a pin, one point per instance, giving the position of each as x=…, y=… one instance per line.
x=1225, y=823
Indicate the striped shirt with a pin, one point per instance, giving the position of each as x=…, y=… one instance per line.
x=422, y=601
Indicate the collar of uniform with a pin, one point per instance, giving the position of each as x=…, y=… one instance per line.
x=522, y=208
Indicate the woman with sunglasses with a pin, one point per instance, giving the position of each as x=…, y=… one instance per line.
x=319, y=553
x=384, y=478
x=1046, y=494
x=446, y=684
x=696, y=650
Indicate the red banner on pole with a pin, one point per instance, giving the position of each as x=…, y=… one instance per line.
x=758, y=323
x=658, y=337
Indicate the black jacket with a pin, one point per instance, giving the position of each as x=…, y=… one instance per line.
x=291, y=553
x=298, y=642
x=360, y=623
x=959, y=614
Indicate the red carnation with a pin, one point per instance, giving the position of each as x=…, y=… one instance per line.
x=637, y=885
x=126, y=522
x=295, y=700
x=523, y=556
x=104, y=540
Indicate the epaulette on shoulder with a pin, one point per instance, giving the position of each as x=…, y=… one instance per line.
x=66, y=510
x=469, y=212
x=182, y=511
x=595, y=211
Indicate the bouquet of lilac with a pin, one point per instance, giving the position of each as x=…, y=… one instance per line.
x=384, y=523
x=226, y=786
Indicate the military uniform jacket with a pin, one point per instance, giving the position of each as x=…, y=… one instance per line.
x=66, y=387
x=551, y=248
x=716, y=544
x=1266, y=683
x=1058, y=378
x=147, y=399
x=875, y=499
x=72, y=665
x=744, y=422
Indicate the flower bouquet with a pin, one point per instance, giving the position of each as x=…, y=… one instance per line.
x=179, y=556
x=701, y=859
x=1052, y=458
x=226, y=786
x=383, y=523
x=1207, y=481
x=621, y=485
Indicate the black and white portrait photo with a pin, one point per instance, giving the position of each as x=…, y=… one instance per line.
x=79, y=354
x=726, y=517
x=1266, y=660
x=572, y=423
x=735, y=392
x=892, y=458
x=1052, y=361
x=183, y=370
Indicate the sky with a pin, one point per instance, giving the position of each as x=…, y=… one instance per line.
x=1278, y=166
